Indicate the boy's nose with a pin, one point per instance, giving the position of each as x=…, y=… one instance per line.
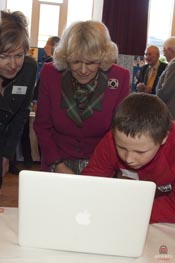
x=129, y=158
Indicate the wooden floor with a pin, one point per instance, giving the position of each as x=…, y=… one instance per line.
x=9, y=190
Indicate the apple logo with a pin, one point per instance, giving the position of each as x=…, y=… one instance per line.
x=83, y=218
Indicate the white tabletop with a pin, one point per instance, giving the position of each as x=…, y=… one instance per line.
x=10, y=252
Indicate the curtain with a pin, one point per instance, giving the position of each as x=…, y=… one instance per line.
x=127, y=23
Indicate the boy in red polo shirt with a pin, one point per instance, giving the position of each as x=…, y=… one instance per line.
x=141, y=146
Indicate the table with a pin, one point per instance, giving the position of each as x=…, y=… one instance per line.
x=159, y=247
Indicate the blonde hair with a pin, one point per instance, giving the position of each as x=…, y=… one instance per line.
x=86, y=40
x=13, y=31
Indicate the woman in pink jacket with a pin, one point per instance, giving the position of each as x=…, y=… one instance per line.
x=79, y=93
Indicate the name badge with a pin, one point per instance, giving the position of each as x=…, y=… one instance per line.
x=20, y=90
x=130, y=174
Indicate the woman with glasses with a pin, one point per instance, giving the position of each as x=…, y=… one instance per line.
x=78, y=95
x=17, y=79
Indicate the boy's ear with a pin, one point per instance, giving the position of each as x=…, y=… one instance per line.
x=164, y=140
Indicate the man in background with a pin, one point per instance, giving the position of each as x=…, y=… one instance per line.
x=45, y=54
x=166, y=85
x=150, y=72
x=44, y=57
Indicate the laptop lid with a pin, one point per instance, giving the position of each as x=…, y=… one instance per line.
x=84, y=213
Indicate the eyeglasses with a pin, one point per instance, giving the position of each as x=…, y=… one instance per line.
x=5, y=58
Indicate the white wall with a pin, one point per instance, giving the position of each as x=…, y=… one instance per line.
x=92, y=9
x=2, y=4
x=97, y=10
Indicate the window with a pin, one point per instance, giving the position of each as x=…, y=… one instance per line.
x=23, y=6
x=49, y=17
x=48, y=27
x=74, y=13
x=160, y=21
x=51, y=1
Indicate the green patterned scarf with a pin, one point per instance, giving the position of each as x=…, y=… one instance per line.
x=82, y=100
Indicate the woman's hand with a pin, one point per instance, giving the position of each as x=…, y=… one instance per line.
x=5, y=166
x=62, y=168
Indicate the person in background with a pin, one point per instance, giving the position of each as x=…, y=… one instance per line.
x=46, y=57
x=149, y=74
x=78, y=96
x=49, y=48
x=17, y=79
x=45, y=54
x=140, y=146
x=166, y=86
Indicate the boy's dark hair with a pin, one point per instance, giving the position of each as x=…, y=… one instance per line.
x=142, y=113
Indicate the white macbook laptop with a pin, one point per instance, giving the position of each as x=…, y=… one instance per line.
x=84, y=213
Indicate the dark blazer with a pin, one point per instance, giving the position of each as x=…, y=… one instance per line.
x=15, y=107
x=166, y=87
x=36, y=91
x=143, y=75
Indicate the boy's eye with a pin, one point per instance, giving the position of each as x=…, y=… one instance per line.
x=124, y=149
x=121, y=148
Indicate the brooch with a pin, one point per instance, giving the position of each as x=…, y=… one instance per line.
x=113, y=83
